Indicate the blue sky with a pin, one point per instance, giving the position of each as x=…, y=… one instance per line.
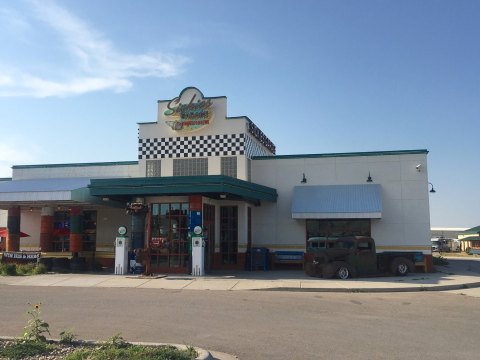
x=316, y=76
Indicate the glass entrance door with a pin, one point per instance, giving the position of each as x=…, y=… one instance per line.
x=228, y=236
x=169, y=238
x=209, y=235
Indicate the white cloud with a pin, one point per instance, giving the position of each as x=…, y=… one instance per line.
x=97, y=64
x=16, y=153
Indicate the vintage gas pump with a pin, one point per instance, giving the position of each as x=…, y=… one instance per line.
x=121, y=251
x=198, y=244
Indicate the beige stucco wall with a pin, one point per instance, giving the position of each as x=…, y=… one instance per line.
x=100, y=170
x=405, y=221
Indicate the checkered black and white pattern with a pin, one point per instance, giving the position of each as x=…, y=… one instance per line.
x=193, y=146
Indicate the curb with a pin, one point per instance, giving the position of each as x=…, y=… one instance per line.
x=376, y=290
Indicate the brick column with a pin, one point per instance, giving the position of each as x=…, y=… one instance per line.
x=13, y=229
x=76, y=229
x=195, y=202
x=46, y=229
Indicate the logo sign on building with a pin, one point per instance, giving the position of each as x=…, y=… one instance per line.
x=189, y=112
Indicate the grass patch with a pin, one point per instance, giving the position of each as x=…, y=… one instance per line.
x=133, y=352
x=17, y=350
x=22, y=349
x=116, y=348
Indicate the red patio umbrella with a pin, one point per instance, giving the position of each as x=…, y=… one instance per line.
x=3, y=233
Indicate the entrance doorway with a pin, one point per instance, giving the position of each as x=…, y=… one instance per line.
x=229, y=237
x=169, y=238
x=209, y=235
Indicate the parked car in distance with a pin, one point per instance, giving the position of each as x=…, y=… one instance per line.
x=445, y=245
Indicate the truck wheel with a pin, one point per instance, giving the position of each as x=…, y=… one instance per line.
x=343, y=272
x=401, y=266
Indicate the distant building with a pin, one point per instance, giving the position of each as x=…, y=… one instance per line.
x=447, y=233
x=470, y=240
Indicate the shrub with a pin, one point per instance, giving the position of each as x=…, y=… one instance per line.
x=25, y=269
x=39, y=269
x=440, y=260
x=22, y=269
x=8, y=269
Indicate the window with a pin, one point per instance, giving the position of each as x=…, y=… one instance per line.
x=332, y=229
x=89, y=230
x=228, y=234
x=364, y=246
x=190, y=167
x=229, y=166
x=154, y=168
x=61, y=230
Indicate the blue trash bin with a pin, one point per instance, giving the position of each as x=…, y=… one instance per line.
x=258, y=259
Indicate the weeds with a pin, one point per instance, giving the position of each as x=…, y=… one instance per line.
x=36, y=328
x=67, y=337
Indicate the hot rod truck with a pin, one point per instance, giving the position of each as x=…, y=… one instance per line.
x=351, y=256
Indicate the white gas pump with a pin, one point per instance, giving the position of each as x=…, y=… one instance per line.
x=121, y=252
x=198, y=257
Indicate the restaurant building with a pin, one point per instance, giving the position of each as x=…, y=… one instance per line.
x=198, y=167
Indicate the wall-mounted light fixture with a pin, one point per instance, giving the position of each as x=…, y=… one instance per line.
x=223, y=196
x=432, y=190
x=369, y=178
x=304, y=179
x=418, y=167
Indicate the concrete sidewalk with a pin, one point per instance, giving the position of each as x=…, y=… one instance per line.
x=459, y=274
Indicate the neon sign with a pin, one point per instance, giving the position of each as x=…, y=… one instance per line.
x=188, y=114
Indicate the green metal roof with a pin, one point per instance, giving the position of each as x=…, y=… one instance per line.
x=211, y=186
x=369, y=153
x=474, y=230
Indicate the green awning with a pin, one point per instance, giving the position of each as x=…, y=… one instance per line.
x=213, y=186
